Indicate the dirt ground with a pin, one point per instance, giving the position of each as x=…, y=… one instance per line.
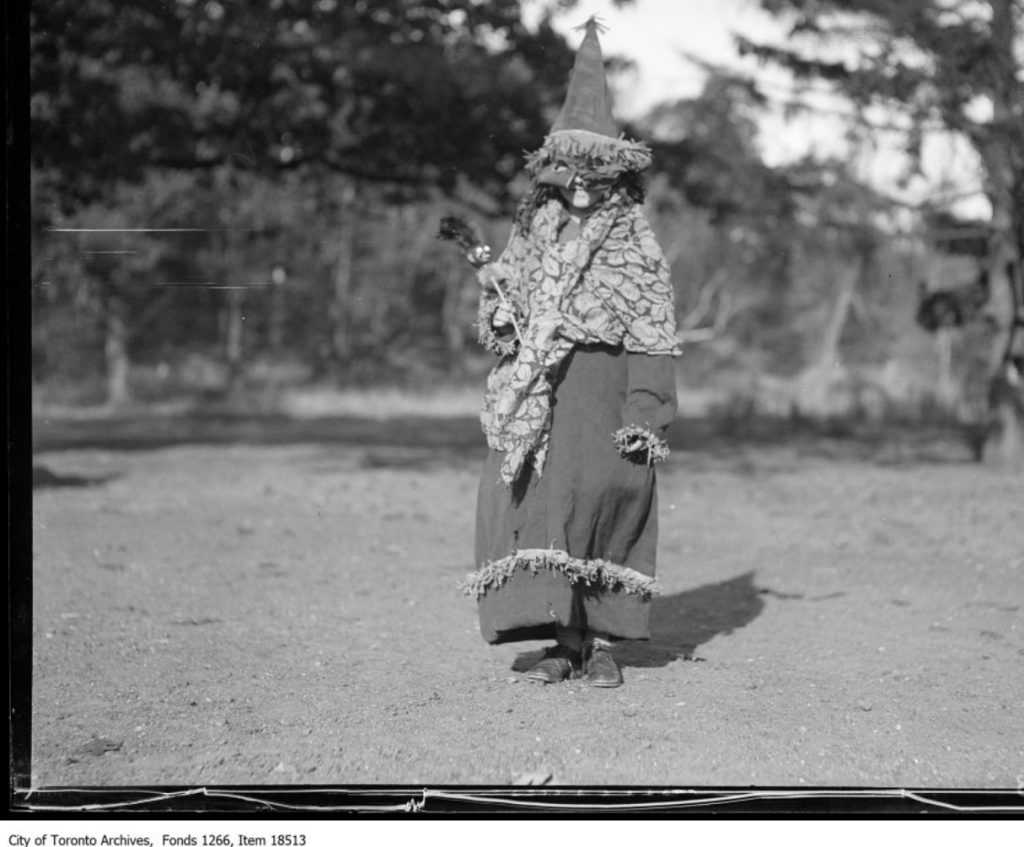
x=269, y=603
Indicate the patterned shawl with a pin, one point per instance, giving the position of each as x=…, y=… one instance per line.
x=610, y=286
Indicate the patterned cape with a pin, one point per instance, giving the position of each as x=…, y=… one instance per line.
x=610, y=285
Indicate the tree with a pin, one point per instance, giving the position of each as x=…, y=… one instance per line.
x=327, y=98
x=954, y=64
x=413, y=91
x=732, y=258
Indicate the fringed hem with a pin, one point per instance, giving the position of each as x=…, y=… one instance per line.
x=639, y=444
x=486, y=335
x=597, y=154
x=588, y=571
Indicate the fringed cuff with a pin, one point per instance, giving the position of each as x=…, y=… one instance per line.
x=488, y=338
x=640, y=445
x=596, y=572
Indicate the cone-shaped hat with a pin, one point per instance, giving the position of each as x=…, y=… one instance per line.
x=587, y=104
x=584, y=139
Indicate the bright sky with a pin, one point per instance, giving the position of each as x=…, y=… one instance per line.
x=659, y=34
x=656, y=34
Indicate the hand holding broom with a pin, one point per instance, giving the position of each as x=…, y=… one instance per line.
x=454, y=228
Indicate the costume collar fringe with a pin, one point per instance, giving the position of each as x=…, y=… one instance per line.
x=596, y=572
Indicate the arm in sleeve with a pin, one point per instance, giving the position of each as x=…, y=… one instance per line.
x=501, y=341
x=649, y=408
x=509, y=264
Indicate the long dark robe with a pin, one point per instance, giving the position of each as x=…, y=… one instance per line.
x=590, y=502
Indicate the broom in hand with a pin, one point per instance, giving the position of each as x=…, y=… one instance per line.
x=467, y=236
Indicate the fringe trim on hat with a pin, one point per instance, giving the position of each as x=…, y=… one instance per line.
x=649, y=450
x=596, y=154
x=593, y=21
x=588, y=571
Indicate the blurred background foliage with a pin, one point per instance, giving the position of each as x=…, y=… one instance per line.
x=236, y=200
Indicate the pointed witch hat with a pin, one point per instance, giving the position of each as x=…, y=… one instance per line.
x=584, y=140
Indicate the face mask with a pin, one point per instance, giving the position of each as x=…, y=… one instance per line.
x=593, y=183
x=564, y=174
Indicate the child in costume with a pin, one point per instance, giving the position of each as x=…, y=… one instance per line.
x=578, y=403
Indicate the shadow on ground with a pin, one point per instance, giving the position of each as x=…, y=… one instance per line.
x=695, y=440
x=151, y=432
x=43, y=477
x=681, y=622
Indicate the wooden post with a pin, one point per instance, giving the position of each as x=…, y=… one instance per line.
x=276, y=307
x=341, y=304
x=949, y=395
x=115, y=347
x=234, y=330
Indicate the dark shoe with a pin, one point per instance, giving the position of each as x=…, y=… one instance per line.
x=600, y=669
x=557, y=665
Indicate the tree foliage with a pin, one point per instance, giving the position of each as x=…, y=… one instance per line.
x=414, y=91
x=261, y=136
x=223, y=189
x=956, y=64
